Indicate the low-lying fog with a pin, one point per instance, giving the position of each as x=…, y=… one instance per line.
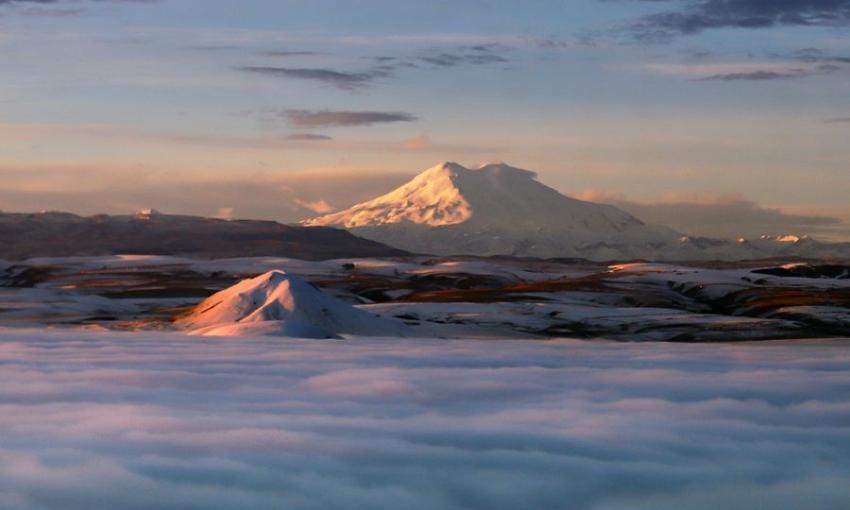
x=93, y=419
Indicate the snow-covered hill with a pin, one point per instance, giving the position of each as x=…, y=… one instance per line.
x=277, y=303
x=495, y=209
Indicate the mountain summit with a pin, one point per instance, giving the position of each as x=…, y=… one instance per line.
x=493, y=210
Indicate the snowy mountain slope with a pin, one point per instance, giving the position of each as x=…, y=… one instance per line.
x=281, y=304
x=495, y=209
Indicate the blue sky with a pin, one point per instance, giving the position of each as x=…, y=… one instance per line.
x=680, y=111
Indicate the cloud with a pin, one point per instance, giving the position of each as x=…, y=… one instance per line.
x=420, y=142
x=837, y=120
x=441, y=58
x=89, y=416
x=756, y=76
x=337, y=79
x=333, y=118
x=713, y=69
x=752, y=71
x=725, y=216
x=694, y=16
x=593, y=195
x=385, y=66
x=283, y=53
x=479, y=54
x=318, y=207
x=307, y=137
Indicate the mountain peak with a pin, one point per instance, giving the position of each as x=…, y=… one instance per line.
x=431, y=198
x=493, y=209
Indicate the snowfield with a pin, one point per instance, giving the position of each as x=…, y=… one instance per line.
x=93, y=419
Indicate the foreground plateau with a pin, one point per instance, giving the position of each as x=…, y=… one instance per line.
x=432, y=298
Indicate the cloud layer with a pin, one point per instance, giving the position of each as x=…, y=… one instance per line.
x=163, y=421
x=722, y=216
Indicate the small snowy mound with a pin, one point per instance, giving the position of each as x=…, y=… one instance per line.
x=280, y=304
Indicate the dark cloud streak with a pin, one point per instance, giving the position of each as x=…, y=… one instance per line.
x=331, y=118
x=338, y=79
x=278, y=53
x=695, y=16
x=307, y=137
x=385, y=66
x=756, y=76
x=481, y=54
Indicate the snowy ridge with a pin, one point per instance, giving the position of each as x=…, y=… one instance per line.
x=432, y=198
x=277, y=303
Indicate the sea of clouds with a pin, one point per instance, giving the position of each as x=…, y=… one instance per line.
x=151, y=420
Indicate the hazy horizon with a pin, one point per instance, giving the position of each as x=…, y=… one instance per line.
x=722, y=119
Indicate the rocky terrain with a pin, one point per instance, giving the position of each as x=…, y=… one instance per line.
x=55, y=234
x=435, y=297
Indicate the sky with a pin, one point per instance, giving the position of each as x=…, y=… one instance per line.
x=715, y=117
x=139, y=420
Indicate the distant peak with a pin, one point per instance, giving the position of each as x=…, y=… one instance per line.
x=146, y=214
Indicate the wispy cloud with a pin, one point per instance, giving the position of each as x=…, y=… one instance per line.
x=480, y=54
x=751, y=71
x=837, y=120
x=384, y=66
x=293, y=53
x=724, y=215
x=338, y=79
x=756, y=76
x=318, y=207
x=694, y=16
x=331, y=118
x=307, y=137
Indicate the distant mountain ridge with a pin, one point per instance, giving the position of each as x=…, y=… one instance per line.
x=497, y=209
x=57, y=234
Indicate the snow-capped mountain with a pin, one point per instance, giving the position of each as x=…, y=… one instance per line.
x=496, y=209
x=277, y=303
